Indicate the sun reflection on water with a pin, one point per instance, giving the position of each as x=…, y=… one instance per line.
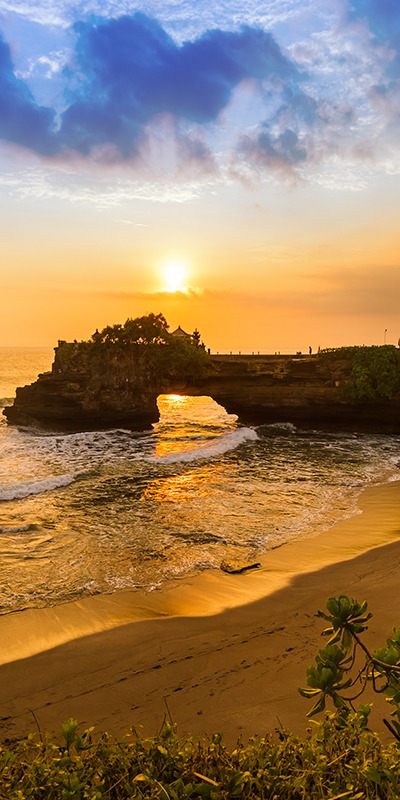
x=195, y=484
x=189, y=423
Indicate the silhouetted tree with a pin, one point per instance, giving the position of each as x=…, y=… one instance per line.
x=149, y=329
x=196, y=337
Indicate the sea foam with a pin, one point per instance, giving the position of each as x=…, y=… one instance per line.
x=18, y=528
x=213, y=448
x=17, y=491
x=288, y=427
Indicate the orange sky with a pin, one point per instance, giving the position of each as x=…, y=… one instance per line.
x=278, y=194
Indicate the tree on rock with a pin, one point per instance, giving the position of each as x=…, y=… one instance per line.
x=149, y=329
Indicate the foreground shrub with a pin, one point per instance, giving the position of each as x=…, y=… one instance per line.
x=337, y=673
x=337, y=760
x=339, y=757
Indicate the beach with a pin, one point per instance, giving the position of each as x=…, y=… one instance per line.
x=214, y=653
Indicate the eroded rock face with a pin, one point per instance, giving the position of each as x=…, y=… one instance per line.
x=90, y=388
x=310, y=391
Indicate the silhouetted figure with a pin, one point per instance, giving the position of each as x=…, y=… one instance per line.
x=310, y=350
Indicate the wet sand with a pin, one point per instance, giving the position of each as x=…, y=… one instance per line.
x=216, y=653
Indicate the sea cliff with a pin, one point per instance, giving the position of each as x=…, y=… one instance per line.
x=96, y=386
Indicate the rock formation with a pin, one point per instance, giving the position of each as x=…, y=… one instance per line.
x=91, y=387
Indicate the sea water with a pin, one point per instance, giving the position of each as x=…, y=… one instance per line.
x=95, y=512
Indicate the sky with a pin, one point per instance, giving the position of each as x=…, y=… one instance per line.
x=232, y=165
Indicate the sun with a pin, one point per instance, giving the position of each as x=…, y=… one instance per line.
x=175, y=274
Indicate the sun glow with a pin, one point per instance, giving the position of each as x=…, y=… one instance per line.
x=175, y=275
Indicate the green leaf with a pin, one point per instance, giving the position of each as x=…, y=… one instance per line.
x=318, y=707
x=68, y=730
x=372, y=774
x=338, y=701
x=308, y=692
x=202, y=790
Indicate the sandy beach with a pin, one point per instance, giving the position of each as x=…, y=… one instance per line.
x=217, y=653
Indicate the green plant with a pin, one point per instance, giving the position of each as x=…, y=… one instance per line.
x=339, y=759
x=336, y=671
x=179, y=359
x=149, y=329
x=374, y=370
x=144, y=340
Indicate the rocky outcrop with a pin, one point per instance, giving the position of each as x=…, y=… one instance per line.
x=310, y=391
x=89, y=388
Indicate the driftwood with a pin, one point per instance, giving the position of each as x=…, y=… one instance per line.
x=238, y=570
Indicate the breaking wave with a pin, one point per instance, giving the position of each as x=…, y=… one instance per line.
x=216, y=447
x=17, y=491
x=288, y=427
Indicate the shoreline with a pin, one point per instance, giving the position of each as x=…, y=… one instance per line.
x=219, y=652
x=27, y=632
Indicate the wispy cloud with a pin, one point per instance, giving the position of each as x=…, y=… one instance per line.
x=104, y=192
x=383, y=20
x=182, y=18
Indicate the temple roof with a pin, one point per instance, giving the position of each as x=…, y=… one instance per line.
x=180, y=332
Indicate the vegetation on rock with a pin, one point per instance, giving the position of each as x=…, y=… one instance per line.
x=375, y=371
x=150, y=329
x=166, y=356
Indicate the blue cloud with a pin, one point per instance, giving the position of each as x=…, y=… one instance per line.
x=126, y=71
x=282, y=151
x=383, y=18
x=22, y=121
x=282, y=139
x=131, y=70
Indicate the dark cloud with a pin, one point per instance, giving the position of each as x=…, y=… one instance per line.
x=281, y=141
x=299, y=104
x=22, y=121
x=128, y=71
x=284, y=150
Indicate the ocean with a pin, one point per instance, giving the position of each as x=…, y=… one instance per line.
x=96, y=512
